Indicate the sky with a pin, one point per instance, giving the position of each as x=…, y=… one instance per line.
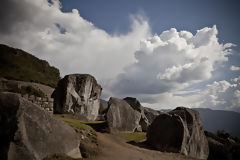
x=165, y=53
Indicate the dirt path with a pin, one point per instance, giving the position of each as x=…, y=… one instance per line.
x=113, y=147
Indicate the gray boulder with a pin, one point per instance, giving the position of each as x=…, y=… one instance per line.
x=30, y=133
x=122, y=117
x=168, y=133
x=135, y=104
x=78, y=94
x=151, y=114
x=179, y=131
x=197, y=144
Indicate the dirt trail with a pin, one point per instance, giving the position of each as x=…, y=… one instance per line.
x=113, y=147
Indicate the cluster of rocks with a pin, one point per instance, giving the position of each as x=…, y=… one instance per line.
x=222, y=148
x=45, y=103
x=128, y=115
x=29, y=132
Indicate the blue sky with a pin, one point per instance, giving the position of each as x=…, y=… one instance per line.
x=165, y=53
x=191, y=15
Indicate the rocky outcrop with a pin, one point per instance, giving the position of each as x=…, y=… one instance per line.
x=168, y=133
x=26, y=90
x=135, y=104
x=78, y=94
x=151, y=114
x=122, y=117
x=179, y=131
x=131, y=104
x=222, y=148
x=30, y=133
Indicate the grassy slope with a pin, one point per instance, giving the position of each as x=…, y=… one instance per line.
x=19, y=65
x=135, y=136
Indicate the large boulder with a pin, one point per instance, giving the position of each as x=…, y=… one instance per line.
x=78, y=94
x=197, y=144
x=135, y=104
x=179, y=131
x=168, y=133
x=151, y=114
x=121, y=117
x=30, y=133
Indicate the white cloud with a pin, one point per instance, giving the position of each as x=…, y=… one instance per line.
x=83, y=48
x=156, y=69
x=235, y=68
x=171, y=61
x=222, y=95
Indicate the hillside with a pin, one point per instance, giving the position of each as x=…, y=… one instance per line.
x=17, y=64
x=214, y=120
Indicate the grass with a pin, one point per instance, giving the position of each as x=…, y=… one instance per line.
x=76, y=124
x=60, y=157
x=17, y=64
x=27, y=90
x=135, y=136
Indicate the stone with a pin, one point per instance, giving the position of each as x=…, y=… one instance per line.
x=168, y=133
x=78, y=94
x=222, y=148
x=151, y=114
x=197, y=144
x=179, y=131
x=30, y=133
x=136, y=105
x=121, y=117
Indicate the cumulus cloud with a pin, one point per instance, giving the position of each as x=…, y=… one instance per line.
x=222, y=95
x=235, y=68
x=67, y=40
x=171, y=61
x=154, y=68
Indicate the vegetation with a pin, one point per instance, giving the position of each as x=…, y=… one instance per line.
x=225, y=135
x=135, y=136
x=76, y=124
x=27, y=90
x=19, y=65
x=89, y=144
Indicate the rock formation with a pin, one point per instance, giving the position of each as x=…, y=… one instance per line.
x=118, y=109
x=78, y=94
x=222, y=148
x=135, y=104
x=179, y=131
x=30, y=133
x=122, y=117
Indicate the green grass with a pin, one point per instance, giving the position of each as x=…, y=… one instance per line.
x=76, y=124
x=17, y=64
x=60, y=157
x=135, y=136
x=27, y=90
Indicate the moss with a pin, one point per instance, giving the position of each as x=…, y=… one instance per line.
x=27, y=90
x=19, y=65
x=135, y=136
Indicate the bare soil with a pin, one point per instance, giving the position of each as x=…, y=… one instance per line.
x=113, y=147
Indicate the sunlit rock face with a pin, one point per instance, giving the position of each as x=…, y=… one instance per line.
x=79, y=95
